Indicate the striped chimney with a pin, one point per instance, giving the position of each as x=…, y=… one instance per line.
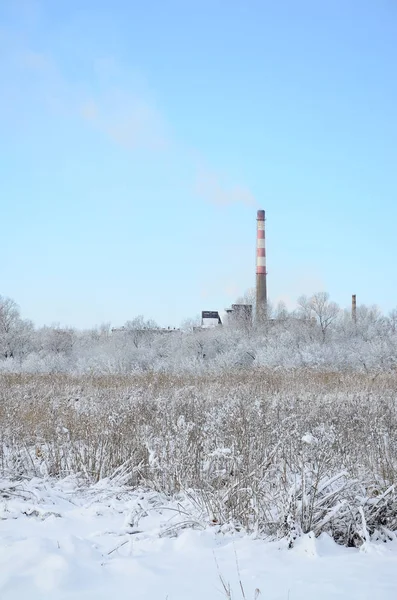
x=354, y=308
x=261, y=292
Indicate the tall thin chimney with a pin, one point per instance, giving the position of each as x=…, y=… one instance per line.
x=354, y=308
x=261, y=291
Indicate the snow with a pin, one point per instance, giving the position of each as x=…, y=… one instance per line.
x=308, y=438
x=62, y=540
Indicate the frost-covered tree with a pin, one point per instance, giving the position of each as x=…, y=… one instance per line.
x=281, y=312
x=320, y=308
x=139, y=330
x=56, y=340
x=188, y=325
x=15, y=333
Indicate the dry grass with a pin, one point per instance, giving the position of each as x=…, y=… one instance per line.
x=232, y=440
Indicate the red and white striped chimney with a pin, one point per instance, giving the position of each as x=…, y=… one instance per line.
x=261, y=292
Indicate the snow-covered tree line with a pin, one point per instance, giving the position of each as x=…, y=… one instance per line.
x=318, y=334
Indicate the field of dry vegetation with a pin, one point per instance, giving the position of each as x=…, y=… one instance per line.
x=270, y=451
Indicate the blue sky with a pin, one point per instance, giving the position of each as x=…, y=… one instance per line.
x=138, y=139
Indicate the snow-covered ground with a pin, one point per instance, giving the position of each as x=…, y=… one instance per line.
x=60, y=540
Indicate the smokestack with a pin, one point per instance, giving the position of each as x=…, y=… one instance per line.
x=261, y=292
x=354, y=308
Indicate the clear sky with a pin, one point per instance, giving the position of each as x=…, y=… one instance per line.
x=138, y=139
